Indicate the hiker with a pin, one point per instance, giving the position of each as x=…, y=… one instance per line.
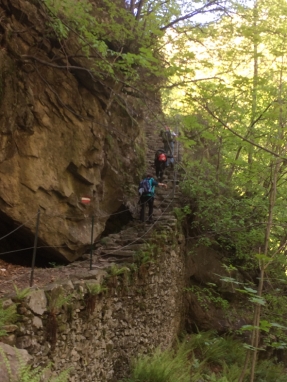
x=168, y=138
x=160, y=161
x=147, y=191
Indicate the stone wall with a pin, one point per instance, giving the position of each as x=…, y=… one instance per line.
x=141, y=310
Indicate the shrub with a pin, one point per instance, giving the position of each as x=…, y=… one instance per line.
x=27, y=374
x=7, y=316
x=161, y=366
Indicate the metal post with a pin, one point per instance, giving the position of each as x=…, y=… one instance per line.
x=92, y=242
x=35, y=249
x=177, y=160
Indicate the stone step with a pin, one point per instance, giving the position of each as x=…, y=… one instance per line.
x=129, y=238
x=121, y=248
x=171, y=218
x=163, y=208
x=124, y=261
x=135, y=247
x=114, y=260
x=117, y=253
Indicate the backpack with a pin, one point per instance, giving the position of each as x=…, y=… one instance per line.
x=162, y=157
x=166, y=136
x=145, y=186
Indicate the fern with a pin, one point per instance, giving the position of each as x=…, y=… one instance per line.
x=7, y=316
x=25, y=372
x=95, y=289
x=114, y=270
x=21, y=293
x=55, y=302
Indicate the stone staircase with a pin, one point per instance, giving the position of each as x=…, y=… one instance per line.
x=124, y=246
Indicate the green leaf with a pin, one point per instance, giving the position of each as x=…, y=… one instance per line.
x=249, y=327
x=276, y=325
x=230, y=280
x=263, y=257
x=250, y=290
x=265, y=326
x=258, y=300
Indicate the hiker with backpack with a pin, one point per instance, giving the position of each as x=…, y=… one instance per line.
x=160, y=161
x=146, y=192
x=168, y=138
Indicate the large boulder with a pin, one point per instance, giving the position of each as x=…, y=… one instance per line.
x=62, y=136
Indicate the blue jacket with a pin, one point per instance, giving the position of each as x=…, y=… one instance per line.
x=154, y=183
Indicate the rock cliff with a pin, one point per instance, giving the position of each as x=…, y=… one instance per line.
x=63, y=135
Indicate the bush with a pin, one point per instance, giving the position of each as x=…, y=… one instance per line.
x=162, y=366
x=25, y=372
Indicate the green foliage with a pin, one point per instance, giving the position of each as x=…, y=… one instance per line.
x=232, y=113
x=133, y=267
x=152, y=249
x=21, y=294
x=207, y=297
x=57, y=300
x=146, y=255
x=90, y=298
x=191, y=360
x=270, y=372
x=212, y=349
x=107, y=33
x=115, y=270
x=182, y=213
x=161, y=366
x=203, y=356
x=96, y=289
x=7, y=316
x=27, y=374
x=54, y=264
x=273, y=316
x=221, y=215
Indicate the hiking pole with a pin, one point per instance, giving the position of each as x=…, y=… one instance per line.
x=35, y=249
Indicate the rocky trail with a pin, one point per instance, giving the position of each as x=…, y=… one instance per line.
x=116, y=248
